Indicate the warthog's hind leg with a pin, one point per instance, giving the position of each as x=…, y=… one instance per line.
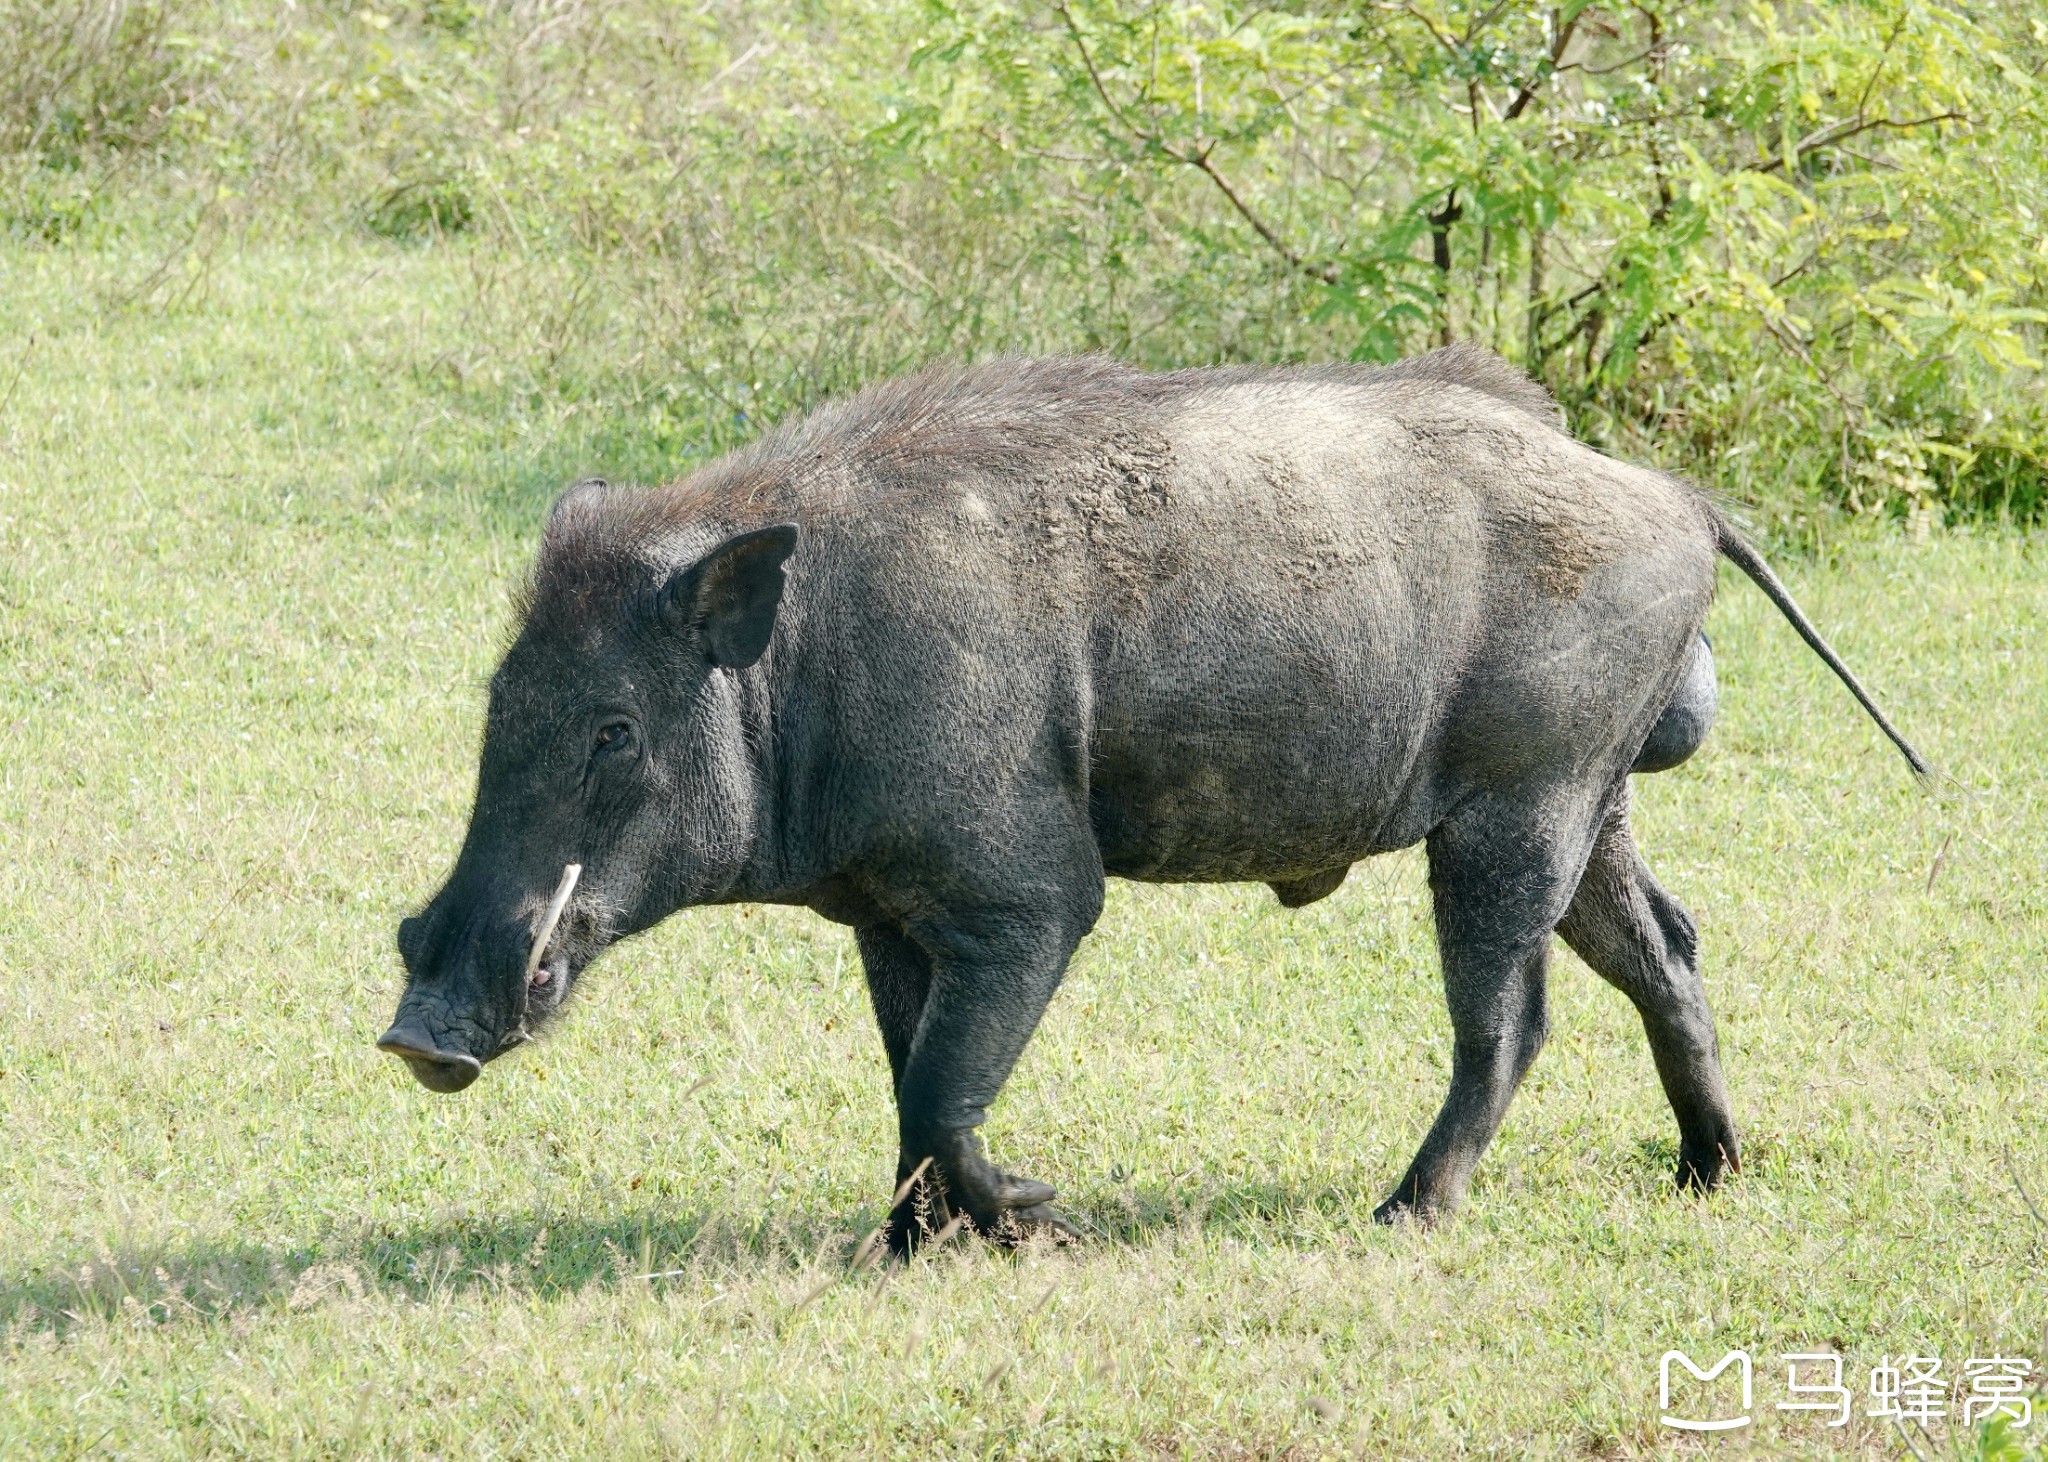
x=1500, y=870
x=1641, y=940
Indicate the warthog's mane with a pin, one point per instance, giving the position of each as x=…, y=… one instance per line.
x=1004, y=411
x=918, y=431
x=1453, y=365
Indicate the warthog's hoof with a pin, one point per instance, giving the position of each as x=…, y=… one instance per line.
x=1704, y=1170
x=1008, y=1228
x=1398, y=1210
x=1021, y=1210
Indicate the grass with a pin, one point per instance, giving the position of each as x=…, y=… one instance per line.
x=255, y=556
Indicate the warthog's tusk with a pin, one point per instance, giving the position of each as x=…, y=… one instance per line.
x=570, y=873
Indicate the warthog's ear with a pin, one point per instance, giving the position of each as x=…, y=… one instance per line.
x=574, y=503
x=731, y=594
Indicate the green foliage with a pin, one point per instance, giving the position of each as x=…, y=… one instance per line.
x=1794, y=250
x=422, y=209
x=1761, y=242
x=48, y=206
x=80, y=74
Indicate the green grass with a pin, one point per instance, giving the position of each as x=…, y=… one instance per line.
x=255, y=557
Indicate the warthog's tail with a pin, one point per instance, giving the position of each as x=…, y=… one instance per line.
x=1746, y=558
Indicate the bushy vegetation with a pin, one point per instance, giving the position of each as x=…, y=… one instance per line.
x=1796, y=250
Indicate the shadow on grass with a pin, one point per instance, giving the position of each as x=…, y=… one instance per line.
x=545, y=1255
x=552, y=1255
x=527, y=1253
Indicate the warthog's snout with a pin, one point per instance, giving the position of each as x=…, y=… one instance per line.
x=435, y=1069
x=457, y=1000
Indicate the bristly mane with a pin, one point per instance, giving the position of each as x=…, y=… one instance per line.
x=831, y=459
x=939, y=420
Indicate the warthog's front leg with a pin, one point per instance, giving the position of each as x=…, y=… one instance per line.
x=992, y=974
x=899, y=975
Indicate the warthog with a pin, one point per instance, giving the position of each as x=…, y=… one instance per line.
x=935, y=660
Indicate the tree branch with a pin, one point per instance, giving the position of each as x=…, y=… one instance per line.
x=1088, y=60
x=1443, y=40
x=1327, y=272
x=1472, y=31
x=1825, y=137
x=1529, y=88
x=1198, y=159
x=1843, y=131
x=1851, y=411
x=1621, y=65
x=1883, y=60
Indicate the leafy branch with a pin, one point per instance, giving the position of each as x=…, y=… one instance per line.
x=1842, y=131
x=1585, y=307
x=1200, y=157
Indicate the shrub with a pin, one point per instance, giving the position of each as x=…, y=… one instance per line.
x=1794, y=252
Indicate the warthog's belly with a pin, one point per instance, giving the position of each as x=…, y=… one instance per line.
x=1267, y=743
x=1199, y=801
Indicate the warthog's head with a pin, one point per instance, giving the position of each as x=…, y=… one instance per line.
x=616, y=739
